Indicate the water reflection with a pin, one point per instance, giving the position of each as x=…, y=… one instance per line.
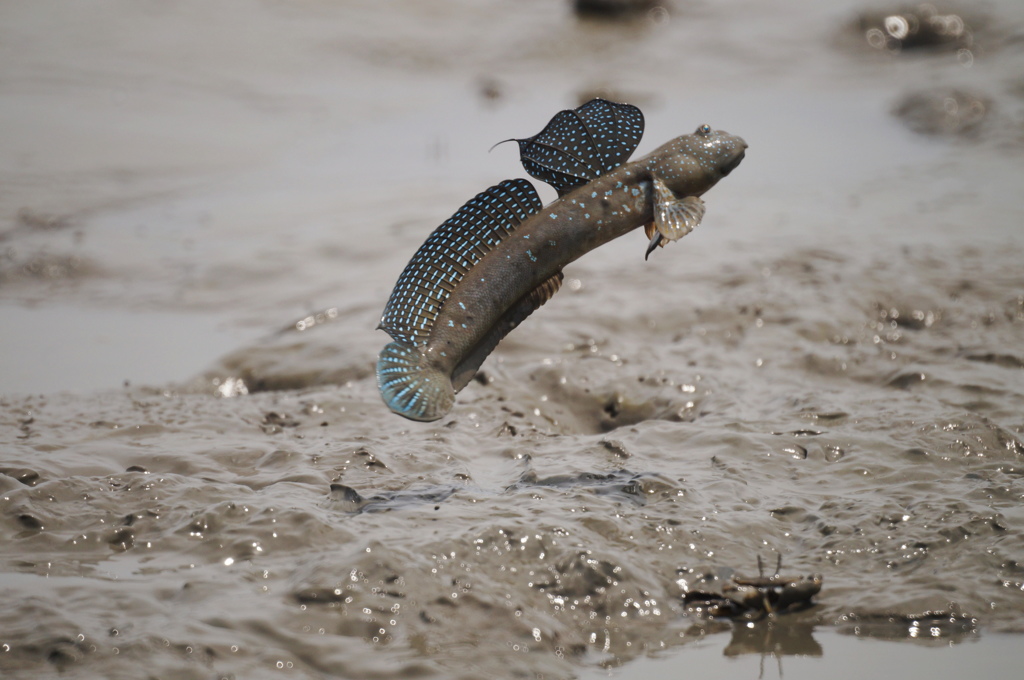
x=952, y=626
x=772, y=639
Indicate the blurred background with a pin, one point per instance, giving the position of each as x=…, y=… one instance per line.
x=214, y=199
x=179, y=177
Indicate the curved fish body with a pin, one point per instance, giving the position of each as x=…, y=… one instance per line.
x=500, y=257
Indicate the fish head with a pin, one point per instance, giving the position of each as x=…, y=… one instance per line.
x=691, y=164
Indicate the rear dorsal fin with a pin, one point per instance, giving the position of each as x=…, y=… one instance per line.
x=581, y=144
x=451, y=251
x=515, y=315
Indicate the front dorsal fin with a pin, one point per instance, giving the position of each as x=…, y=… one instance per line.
x=515, y=315
x=581, y=144
x=451, y=251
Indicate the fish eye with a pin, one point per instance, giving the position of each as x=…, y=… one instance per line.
x=704, y=130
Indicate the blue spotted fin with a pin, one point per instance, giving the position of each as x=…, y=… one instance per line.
x=581, y=144
x=410, y=386
x=449, y=252
x=516, y=314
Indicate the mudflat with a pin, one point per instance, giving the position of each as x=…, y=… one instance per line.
x=203, y=210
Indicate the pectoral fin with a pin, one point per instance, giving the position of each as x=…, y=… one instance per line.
x=674, y=217
x=656, y=239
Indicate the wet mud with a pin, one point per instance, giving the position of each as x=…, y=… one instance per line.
x=829, y=370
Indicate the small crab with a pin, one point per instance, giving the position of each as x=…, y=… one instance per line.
x=771, y=594
x=758, y=597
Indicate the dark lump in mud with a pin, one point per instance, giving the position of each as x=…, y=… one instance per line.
x=944, y=112
x=917, y=27
x=614, y=9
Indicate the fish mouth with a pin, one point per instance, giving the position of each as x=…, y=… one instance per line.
x=731, y=165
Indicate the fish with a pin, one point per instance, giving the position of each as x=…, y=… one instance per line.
x=500, y=257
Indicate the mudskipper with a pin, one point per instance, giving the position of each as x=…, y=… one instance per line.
x=500, y=257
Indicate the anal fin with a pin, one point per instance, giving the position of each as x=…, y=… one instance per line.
x=515, y=315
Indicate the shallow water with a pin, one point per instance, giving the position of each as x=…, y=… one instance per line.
x=830, y=369
x=810, y=653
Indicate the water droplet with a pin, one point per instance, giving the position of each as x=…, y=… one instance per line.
x=833, y=453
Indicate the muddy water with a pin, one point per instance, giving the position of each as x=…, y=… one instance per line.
x=830, y=369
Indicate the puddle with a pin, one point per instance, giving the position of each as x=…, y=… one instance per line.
x=826, y=653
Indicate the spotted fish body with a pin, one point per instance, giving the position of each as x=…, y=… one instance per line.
x=500, y=257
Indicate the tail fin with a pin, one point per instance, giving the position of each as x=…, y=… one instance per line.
x=410, y=386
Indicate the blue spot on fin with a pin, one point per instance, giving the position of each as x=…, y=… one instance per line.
x=449, y=253
x=410, y=386
x=581, y=144
x=515, y=315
